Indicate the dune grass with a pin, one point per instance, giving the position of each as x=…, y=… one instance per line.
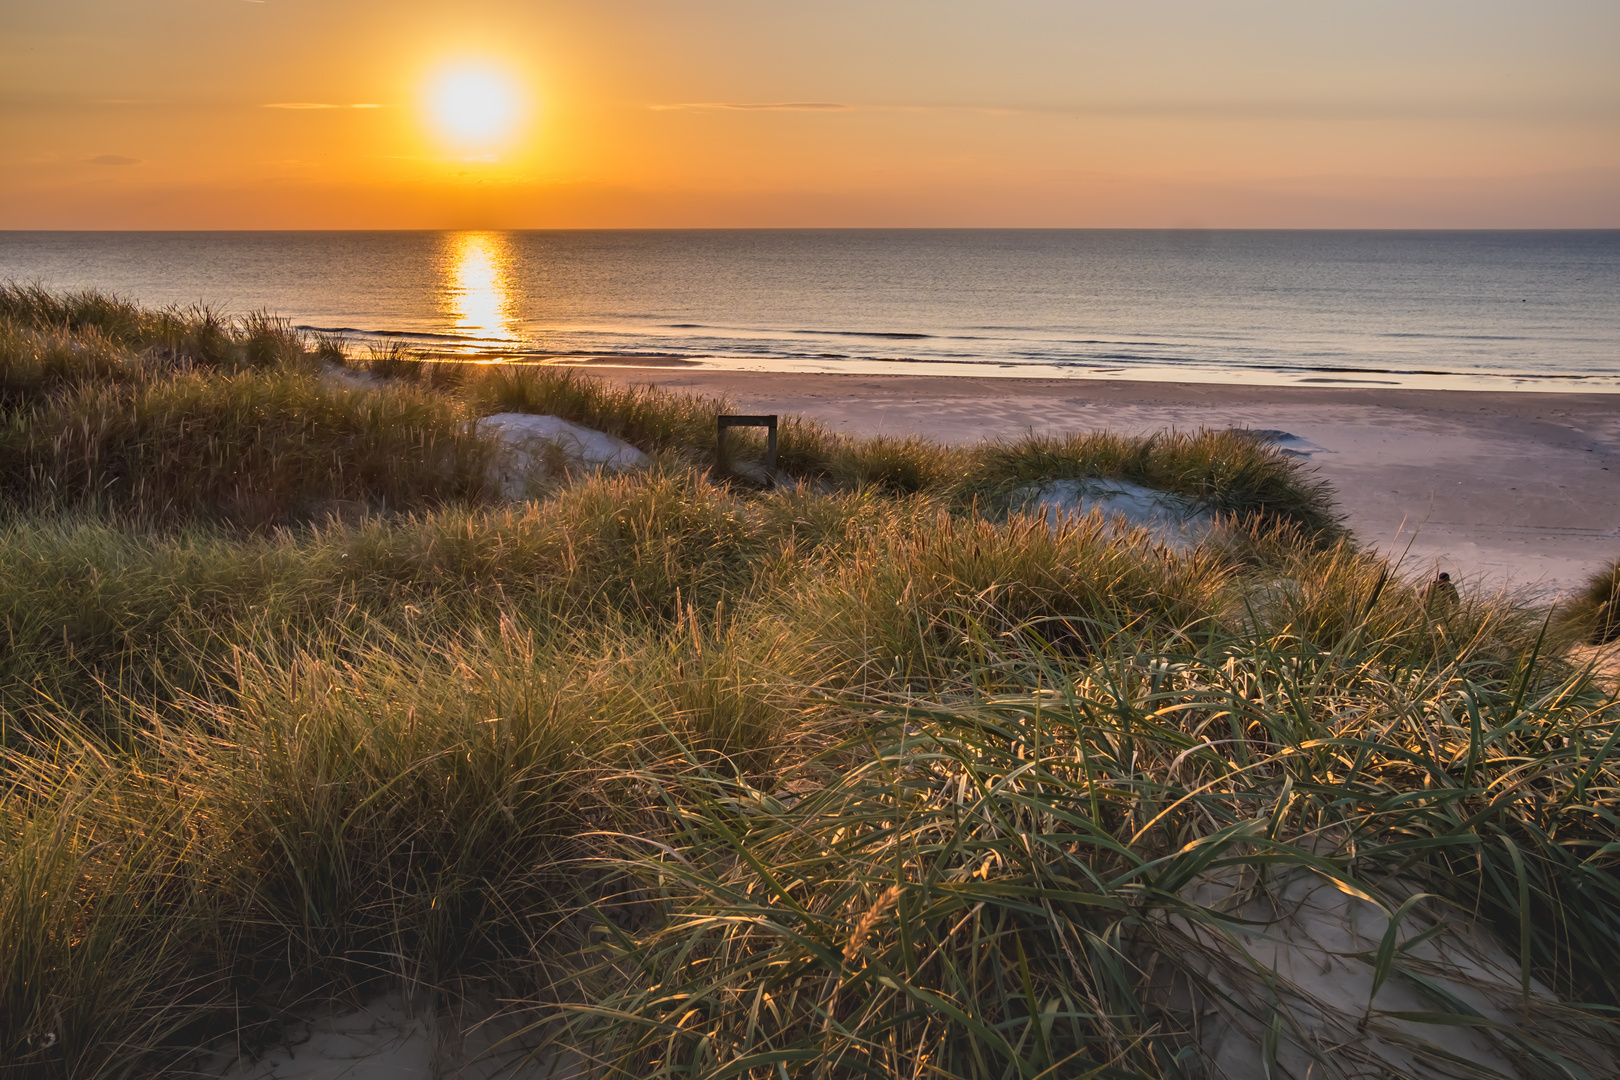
x=252, y=448
x=192, y=416
x=370, y=806
x=1021, y=884
x=179, y=338
x=95, y=613
x=868, y=775
x=650, y=419
x=1595, y=613
x=1230, y=473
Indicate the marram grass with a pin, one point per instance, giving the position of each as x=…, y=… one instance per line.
x=1596, y=611
x=1020, y=884
x=186, y=415
x=1227, y=472
x=860, y=776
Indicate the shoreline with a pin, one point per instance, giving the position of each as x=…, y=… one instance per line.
x=1502, y=488
x=1331, y=377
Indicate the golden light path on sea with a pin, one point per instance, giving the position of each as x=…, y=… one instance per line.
x=477, y=285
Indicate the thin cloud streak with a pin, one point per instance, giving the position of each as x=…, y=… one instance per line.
x=1231, y=110
x=317, y=105
x=758, y=106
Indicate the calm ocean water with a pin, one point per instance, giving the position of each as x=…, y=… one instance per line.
x=1499, y=310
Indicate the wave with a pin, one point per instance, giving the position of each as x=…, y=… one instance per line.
x=608, y=345
x=426, y=334
x=1453, y=337
x=897, y=334
x=904, y=335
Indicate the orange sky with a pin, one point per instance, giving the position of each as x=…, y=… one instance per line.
x=1285, y=113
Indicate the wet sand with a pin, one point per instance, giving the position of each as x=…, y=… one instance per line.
x=1500, y=488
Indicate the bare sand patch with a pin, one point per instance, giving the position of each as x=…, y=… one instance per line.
x=396, y=1036
x=532, y=447
x=1297, y=967
x=1169, y=518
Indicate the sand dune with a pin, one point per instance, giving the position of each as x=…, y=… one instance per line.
x=1499, y=488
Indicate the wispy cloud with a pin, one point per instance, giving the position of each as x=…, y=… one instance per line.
x=1323, y=110
x=112, y=159
x=318, y=105
x=757, y=106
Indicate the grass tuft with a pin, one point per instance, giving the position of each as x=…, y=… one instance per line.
x=651, y=419
x=1595, y=611
x=1227, y=472
x=1074, y=877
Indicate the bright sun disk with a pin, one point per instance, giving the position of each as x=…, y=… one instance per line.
x=473, y=105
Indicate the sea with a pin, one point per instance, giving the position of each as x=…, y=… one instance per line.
x=1510, y=310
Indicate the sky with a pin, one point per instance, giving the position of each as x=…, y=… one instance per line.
x=340, y=114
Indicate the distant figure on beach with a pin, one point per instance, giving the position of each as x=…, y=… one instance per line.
x=1441, y=598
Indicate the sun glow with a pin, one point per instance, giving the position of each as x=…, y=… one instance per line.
x=474, y=104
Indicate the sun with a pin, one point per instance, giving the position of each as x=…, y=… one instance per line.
x=474, y=104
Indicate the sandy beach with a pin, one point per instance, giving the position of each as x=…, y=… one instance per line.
x=1502, y=489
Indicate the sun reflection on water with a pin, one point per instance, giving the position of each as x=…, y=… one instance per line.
x=476, y=289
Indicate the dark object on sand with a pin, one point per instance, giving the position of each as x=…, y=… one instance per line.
x=1441, y=598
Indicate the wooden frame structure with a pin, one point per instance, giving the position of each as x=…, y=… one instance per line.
x=725, y=423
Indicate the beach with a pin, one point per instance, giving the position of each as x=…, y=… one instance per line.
x=1500, y=489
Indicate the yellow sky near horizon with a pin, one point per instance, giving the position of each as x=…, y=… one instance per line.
x=242, y=114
